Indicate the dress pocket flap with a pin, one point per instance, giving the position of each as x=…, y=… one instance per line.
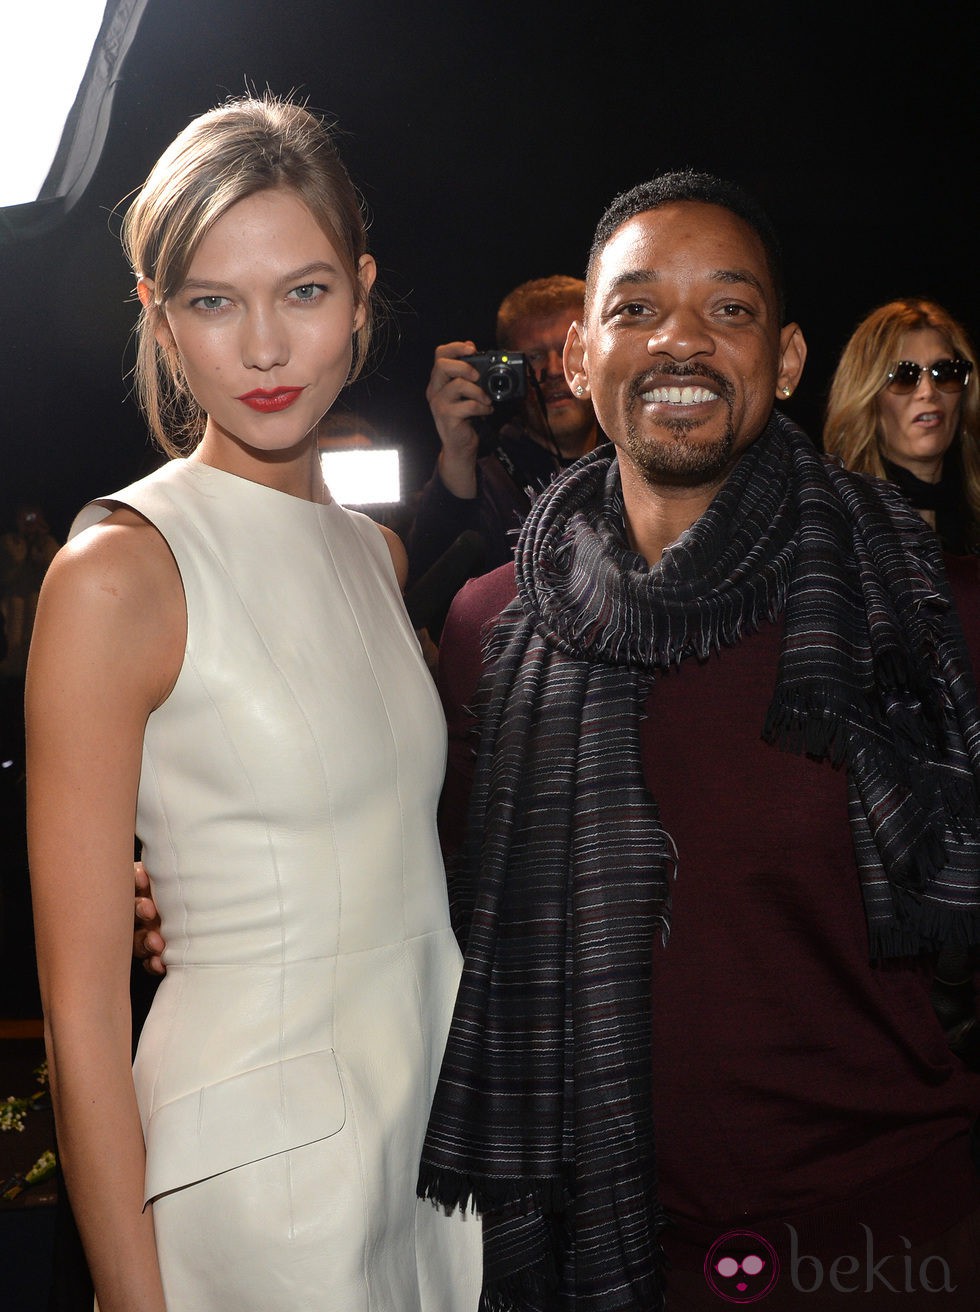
x=242, y=1119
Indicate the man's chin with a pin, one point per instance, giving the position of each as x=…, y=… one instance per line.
x=564, y=413
x=570, y=427
x=680, y=458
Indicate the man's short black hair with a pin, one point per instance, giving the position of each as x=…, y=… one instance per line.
x=688, y=184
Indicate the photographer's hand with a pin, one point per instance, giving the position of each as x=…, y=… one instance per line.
x=456, y=399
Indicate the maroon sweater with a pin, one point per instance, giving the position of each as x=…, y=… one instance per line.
x=793, y=1081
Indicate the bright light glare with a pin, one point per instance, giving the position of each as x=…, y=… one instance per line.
x=43, y=56
x=362, y=478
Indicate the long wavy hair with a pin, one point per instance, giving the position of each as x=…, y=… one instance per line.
x=245, y=146
x=852, y=431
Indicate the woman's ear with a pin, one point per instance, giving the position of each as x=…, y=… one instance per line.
x=367, y=271
x=146, y=291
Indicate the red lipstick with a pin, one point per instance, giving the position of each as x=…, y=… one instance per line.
x=268, y=402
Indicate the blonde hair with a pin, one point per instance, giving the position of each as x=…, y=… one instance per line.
x=245, y=146
x=851, y=430
x=538, y=299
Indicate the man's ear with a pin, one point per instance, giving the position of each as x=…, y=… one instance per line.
x=367, y=271
x=146, y=291
x=575, y=358
x=792, y=357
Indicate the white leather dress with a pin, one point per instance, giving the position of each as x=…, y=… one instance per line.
x=287, y=814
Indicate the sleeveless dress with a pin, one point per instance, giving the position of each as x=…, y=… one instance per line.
x=286, y=809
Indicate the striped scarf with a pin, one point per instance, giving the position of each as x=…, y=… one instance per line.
x=541, y=1119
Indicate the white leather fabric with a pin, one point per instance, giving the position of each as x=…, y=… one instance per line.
x=287, y=814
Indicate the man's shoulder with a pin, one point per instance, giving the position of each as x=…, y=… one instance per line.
x=963, y=573
x=482, y=599
x=476, y=605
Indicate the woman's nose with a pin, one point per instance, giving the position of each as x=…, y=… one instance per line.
x=264, y=341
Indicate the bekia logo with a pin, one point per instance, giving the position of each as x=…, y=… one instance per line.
x=741, y=1267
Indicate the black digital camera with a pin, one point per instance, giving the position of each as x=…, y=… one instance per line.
x=503, y=374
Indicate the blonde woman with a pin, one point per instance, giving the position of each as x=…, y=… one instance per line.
x=905, y=405
x=222, y=662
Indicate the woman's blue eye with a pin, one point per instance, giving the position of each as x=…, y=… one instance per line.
x=309, y=291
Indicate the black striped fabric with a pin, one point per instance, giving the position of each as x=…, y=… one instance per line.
x=541, y=1119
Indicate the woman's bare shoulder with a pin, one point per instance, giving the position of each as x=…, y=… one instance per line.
x=115, y=589
x=123, y=553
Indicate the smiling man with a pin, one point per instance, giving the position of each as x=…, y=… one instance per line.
x=722, y=695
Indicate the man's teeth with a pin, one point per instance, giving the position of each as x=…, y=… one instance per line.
x=680, y=395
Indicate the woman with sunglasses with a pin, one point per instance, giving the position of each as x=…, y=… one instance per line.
x=905, y=405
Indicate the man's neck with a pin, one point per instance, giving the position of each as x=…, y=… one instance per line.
x=657, y=516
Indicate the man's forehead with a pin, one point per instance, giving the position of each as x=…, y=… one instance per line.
x=689, y=236
x=545, y=329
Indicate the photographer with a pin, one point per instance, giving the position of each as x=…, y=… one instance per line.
x=495, y=459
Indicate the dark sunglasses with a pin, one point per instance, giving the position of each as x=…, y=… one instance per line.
x=948, y=375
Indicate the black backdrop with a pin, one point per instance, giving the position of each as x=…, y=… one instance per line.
x=487, y=138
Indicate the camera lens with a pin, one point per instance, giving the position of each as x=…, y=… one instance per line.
x=500, y=382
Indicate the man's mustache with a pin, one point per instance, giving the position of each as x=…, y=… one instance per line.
x=680, y=375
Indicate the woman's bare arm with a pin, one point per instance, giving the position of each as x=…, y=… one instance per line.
x=107, y=646
x=399, y=556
